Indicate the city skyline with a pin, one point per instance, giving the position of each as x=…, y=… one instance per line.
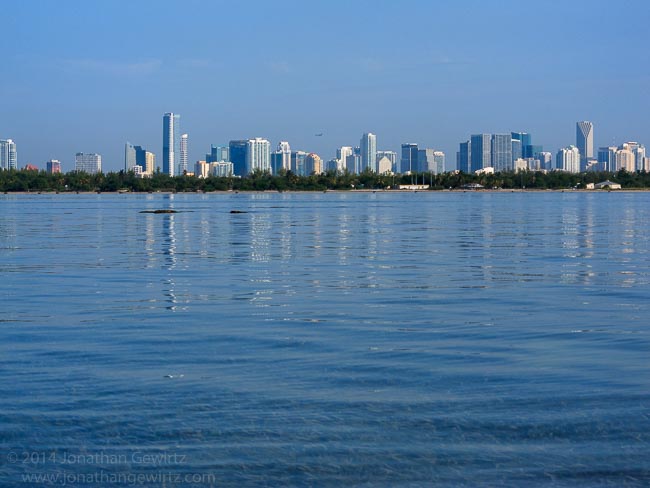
x=422, y=80
x=512, y=151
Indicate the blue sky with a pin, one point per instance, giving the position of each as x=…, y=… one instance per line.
x=88, y=76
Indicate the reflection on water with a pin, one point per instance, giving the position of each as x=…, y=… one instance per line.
x=453, y=339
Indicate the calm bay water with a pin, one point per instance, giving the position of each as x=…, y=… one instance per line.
x=338, y=339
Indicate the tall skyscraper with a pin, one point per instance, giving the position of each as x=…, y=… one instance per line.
x=129, y=157
x=237, y=151
x=481, y=153
x=8, y=154
x=409, y=161
x=171, y=144
x=501, y=152
x=53, y=166
x=258, y=155
x=431, y=161
x=313, y=164
x=463, y=157
x=585, y=142
x=218, y=153
x=298, y=164
x=545, y=160
x=182, y=168
x=145, y=160
x=342, y=155
x=369, y=152
x=90, y=163
x=392, y=157
x=607, y=158
x=285, y=150
x=568, y=159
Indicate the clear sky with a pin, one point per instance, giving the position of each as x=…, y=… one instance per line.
x=89, y=75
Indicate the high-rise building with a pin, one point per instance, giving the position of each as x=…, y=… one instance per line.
x=342, y=154
x=201, y=169
x=607, y=158
x=568, y=159
x=285, y=150
x=298, y=164
x=258, y=155
x=638, y=150
x=545, y=160
x=384, y=165
x=182, y=168
x=501, y=152
x=392, y=157
x=409, y=161
x=53, y=166
x=221, y=168
x=625, y=159
x=585, y=142
x=463, y=157
x=129, y=157
x=8, y=154
x=171, y=144
x=237, y=152
x=426, y=161
x=481, y=154
x=90, y=163
x=369, y=152
x=145, y=160
x=217, y=153
x=313, y=164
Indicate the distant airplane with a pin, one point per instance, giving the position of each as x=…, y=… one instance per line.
x=320, y=134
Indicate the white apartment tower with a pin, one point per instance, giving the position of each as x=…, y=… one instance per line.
x=8, y=154
x=182, y=167
x=258, y=155
x=90, y=163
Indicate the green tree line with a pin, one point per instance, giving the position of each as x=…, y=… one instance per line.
x=41, y=181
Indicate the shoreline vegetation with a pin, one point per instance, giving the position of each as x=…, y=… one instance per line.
x=28, y=181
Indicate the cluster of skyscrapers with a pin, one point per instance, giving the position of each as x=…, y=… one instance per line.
x=481, y=153
x=516, y=152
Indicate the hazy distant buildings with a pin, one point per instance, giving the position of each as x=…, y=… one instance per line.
x=384, y=165
x=182, y=168
x=545, y=160
x=342, y=155
x=129, y=157
x=568, y=159
x=625, y=159
x=431, y=161
x=90, y=163
x=313, y=164
x=8, y=154
x=585, y=142
x=607, y=158
x=217, y=153
x=463, y=157
x=53, y=166
x=409, y=160
x=171, y=144
x=145, y=160
x=298, y=163
x=221, y=168
x=392, y=157
x=369, y=152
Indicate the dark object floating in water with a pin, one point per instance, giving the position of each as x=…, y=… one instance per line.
x=163, y=211
x=238, y=211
